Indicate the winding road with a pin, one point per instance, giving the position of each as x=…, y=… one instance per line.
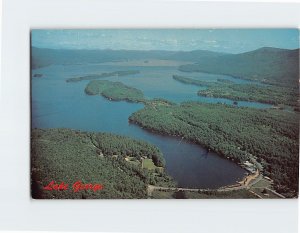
x=246, y=183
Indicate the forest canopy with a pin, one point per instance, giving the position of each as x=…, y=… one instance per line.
x=65, y=155
x=269, y=94
x=270, y=136
x=114, y=91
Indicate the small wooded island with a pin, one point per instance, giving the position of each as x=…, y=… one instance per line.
x=104, y=75
x=114, y=91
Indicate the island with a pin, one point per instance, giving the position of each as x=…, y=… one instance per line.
x=104, y=75
x=114, y=91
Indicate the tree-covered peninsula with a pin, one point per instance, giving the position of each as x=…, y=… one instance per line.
x=114, y=161
x=269, y=94
x=114, y=91
x=269, y=137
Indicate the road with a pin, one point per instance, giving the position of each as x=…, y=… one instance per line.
x=246, y=183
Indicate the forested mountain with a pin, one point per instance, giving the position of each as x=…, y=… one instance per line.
x=268, y=65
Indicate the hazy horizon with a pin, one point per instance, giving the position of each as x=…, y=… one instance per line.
x=215, y=40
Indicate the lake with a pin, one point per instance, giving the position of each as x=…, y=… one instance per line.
x=58, y=104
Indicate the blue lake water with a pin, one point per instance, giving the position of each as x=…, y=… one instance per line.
x=56, y=104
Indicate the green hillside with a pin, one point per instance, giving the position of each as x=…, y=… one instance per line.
x=267, y=65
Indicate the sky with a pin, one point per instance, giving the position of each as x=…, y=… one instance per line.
x=220, y=40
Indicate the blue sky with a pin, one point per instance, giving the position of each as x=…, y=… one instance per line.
x=221, y=40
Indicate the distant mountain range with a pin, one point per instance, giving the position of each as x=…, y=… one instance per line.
x=43, y=57
x=268, y=65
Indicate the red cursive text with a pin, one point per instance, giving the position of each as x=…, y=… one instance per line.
x=77, y=186
x=54, y=186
